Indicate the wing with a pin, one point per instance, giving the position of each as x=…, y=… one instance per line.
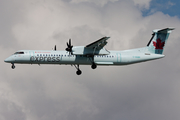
x=99, y=44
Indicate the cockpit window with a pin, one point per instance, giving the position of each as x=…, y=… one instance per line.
x=19, y=53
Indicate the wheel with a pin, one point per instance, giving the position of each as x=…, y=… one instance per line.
x=13, y=66
x=79, y=72
x=94, y=66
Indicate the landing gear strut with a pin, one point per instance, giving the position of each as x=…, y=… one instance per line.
x=13, y=66
x=78, y=72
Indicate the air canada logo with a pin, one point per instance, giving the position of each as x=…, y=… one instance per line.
x=158, y=44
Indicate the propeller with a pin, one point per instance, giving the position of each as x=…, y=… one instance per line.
x=69, y=47
x=55, y=48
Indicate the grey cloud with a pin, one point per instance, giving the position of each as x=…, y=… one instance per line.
x=97, y=2
x=142, y=91
x=10, y=13
x=142, y=4
x=10, y=110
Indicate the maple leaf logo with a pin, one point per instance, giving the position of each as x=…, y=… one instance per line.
x=158, y=44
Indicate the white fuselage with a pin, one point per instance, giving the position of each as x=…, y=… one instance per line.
x=63, y=57
x=94, y=54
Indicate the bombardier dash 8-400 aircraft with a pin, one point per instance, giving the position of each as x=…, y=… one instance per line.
x=94, y=54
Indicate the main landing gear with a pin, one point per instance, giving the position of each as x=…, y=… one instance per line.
x=78, y=72
x=13, y=66
x=93, y=66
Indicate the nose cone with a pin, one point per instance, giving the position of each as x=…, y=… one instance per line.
x=8, y=60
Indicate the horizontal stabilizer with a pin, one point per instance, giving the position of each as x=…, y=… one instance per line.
x=164, y=30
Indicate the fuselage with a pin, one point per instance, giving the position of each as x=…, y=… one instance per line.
x=63, y=57
x=94, y=54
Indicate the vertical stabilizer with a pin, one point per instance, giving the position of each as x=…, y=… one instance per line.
x=157, y=43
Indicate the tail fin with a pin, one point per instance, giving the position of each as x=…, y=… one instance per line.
x=158, y=40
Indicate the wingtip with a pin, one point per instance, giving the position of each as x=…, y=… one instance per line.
x=172, y=28
x=107, y=37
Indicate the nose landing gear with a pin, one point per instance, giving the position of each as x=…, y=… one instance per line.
x=13, y=66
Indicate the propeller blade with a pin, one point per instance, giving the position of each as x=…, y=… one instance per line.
x=55, y=47
x=69, y=47
x=69, y=42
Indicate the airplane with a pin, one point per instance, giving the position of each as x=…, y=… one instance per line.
x=94, y=54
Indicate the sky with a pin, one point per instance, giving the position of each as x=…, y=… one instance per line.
x=143, y=91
